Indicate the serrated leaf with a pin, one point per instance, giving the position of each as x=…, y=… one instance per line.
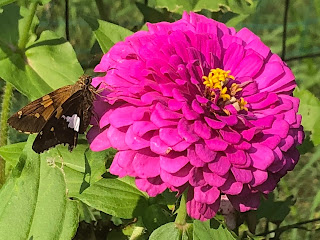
x=34, y=199
x=310, y=111
x=11, y=153
x=203, y=231
x=114, y=197
x=179, y=6
x=152, y=15
x=275, y=211
x=167, y=231
x=107, y=34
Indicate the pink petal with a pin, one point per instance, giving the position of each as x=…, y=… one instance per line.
x=146, y=164
x=262, y=156
x=206, y=194
x=117, y=138
x=259, y=177
x=134, y=141
x=216, y=144
x=98, y=140
x=158, y=146
x=220, y=165
x=214, y=123
x=153, y=186
x=202, y=129
x=170, y=136
x=185, y=131
x=242, y=175
x=121, y=116
x=176, y=179
x=173, y=162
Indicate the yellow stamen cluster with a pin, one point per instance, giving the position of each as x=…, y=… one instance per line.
x=218, y=80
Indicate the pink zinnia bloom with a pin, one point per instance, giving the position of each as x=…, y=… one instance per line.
x=196, y=105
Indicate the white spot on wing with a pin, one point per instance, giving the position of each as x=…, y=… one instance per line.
x=74, y=122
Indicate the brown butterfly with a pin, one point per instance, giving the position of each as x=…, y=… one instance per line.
x=59, y=116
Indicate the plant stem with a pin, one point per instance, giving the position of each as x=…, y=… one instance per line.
x=26, y=29
x=5, y=110
x=66, y=13
x=182, y=210
x=285, y=24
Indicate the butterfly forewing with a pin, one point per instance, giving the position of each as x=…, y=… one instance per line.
x=64, y=127
x=33, y=117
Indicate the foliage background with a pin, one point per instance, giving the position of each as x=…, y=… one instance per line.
x=292, y=212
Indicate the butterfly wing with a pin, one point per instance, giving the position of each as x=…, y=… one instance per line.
x=33, y=117
x=66, y=122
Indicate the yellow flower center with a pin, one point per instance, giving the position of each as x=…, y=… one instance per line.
x=220, y=84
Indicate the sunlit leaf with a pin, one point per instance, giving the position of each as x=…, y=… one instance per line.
x=167, y=231
x=47, y=64
x=310, y=111
x=115, y=197
x=107, y=33
x=33, y=201
x=203, y=231
x=11, y=153
x=179, y=6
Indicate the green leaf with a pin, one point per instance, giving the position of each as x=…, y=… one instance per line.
x=275, y=211
x=81, y=167
x=11, y=153
x=115, y=197
x=167, y=231
x=179, y=6
x=95, y=163
x=107, y=33
x=152, y=15
x=155, y=216
x=203, y=231
x=47, y=64
x=9, y=34
x=6, y=2
x=33, y=201
x=310, y=111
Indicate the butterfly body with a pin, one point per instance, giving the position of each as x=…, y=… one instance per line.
x=57, y=117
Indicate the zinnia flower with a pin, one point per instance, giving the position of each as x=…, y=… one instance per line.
x=194, y=105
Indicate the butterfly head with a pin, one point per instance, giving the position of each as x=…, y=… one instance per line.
x=85, y=80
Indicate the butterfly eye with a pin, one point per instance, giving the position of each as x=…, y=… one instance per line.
x=87, y=81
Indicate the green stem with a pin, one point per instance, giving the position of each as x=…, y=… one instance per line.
x=26, y=29
x=5, y=110
x=182, y=210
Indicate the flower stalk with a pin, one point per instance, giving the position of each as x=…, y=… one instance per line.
x=182, y=211
x=5, y=110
